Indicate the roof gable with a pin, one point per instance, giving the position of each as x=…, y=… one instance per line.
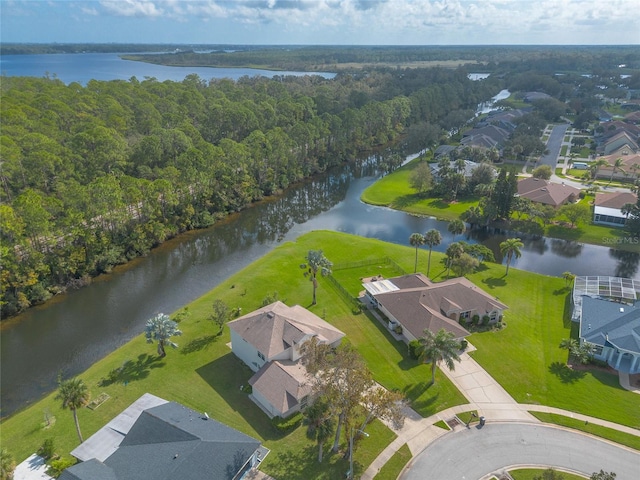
x=282, y=383
x=276, y=327
x=171, y=441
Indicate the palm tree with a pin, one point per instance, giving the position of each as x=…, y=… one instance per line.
x=454, y=250
x=320, y=424
x=161, y=328
x=317, y=262
x=511, y=248
x=456, y=227
x=74, y=395
x=616, y=166
x=416, y=239
x=627, y=208
x=432, y=239
x=438, y=346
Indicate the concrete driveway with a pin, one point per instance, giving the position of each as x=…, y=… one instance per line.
x=471, y=454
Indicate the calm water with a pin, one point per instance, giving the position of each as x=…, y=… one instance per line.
x=82, y=67
x=84, y=326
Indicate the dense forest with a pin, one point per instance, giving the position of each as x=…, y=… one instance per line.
x=95, y=175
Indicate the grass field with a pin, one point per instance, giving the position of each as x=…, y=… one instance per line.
x=203, y=373
x=532, y=473
x=632, y=441
x=394, y=466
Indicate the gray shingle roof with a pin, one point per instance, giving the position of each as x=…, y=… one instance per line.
x=283, y=383
x=171, y=441
x=609, y=323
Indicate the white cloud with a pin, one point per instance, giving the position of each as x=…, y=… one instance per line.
x=133, y=8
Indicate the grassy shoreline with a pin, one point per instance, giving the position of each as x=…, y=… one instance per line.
x=204, y=375
x=394, y=191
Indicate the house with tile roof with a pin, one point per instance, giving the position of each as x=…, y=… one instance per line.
x=268, y=341
x=607, y=208
x=628, y=170
x=546, y=192
x=155, y=439
x=608, y=311
x=416, y=304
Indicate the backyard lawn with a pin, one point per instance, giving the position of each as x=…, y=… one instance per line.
x=203, y=373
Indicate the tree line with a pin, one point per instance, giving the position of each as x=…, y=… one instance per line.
x=95, y=175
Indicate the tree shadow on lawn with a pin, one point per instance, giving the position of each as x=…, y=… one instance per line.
x=303, y=464
x=131, y=371
x=226, y=375
x=566, y=316
x=566, y=374
x=406, y=200
x=424, y=406
x=197, y=344
x=494, y=282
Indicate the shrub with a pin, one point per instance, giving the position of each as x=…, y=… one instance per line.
x=284, y=425
x=582, y=194
x=486, y=319
x=47, y=449
x=56, y=467
x=414, y=349
x=463, y=344
x=475, y=319
x=398, y=329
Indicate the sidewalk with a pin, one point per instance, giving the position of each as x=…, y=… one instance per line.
x=486, y=396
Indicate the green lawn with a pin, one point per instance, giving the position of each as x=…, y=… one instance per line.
x=394, y=466
x=204, y=375
x=395, y=192
x=532, y=473
x=632, y=441
x=524, y=357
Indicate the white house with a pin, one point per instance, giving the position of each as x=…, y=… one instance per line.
x=268, y=341
x=608, y=207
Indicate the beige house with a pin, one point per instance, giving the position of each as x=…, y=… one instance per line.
x=546, y=192
x=628, y=170
x=268, y=341
x=416, y=304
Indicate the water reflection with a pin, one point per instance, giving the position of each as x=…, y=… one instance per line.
x=566, y=248
x=627, y=263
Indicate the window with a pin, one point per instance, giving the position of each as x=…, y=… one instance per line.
x=304, y=401
x=597, y=349
x=465, y=315
x=261, y=356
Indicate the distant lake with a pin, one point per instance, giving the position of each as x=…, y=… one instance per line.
x=82, y=67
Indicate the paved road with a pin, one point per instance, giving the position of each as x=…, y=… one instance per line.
x=474, y=453
x=554, y=145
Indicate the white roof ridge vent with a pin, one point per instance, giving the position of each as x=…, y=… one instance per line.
x=271, y=315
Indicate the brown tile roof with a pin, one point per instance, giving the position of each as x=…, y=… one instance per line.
x=628, y=162
x=615, y=199
x=277, y=327
x=282, y=383
x=425, y=307
x=546, y=192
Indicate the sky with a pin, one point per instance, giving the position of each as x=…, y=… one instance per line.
x=323, y=22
